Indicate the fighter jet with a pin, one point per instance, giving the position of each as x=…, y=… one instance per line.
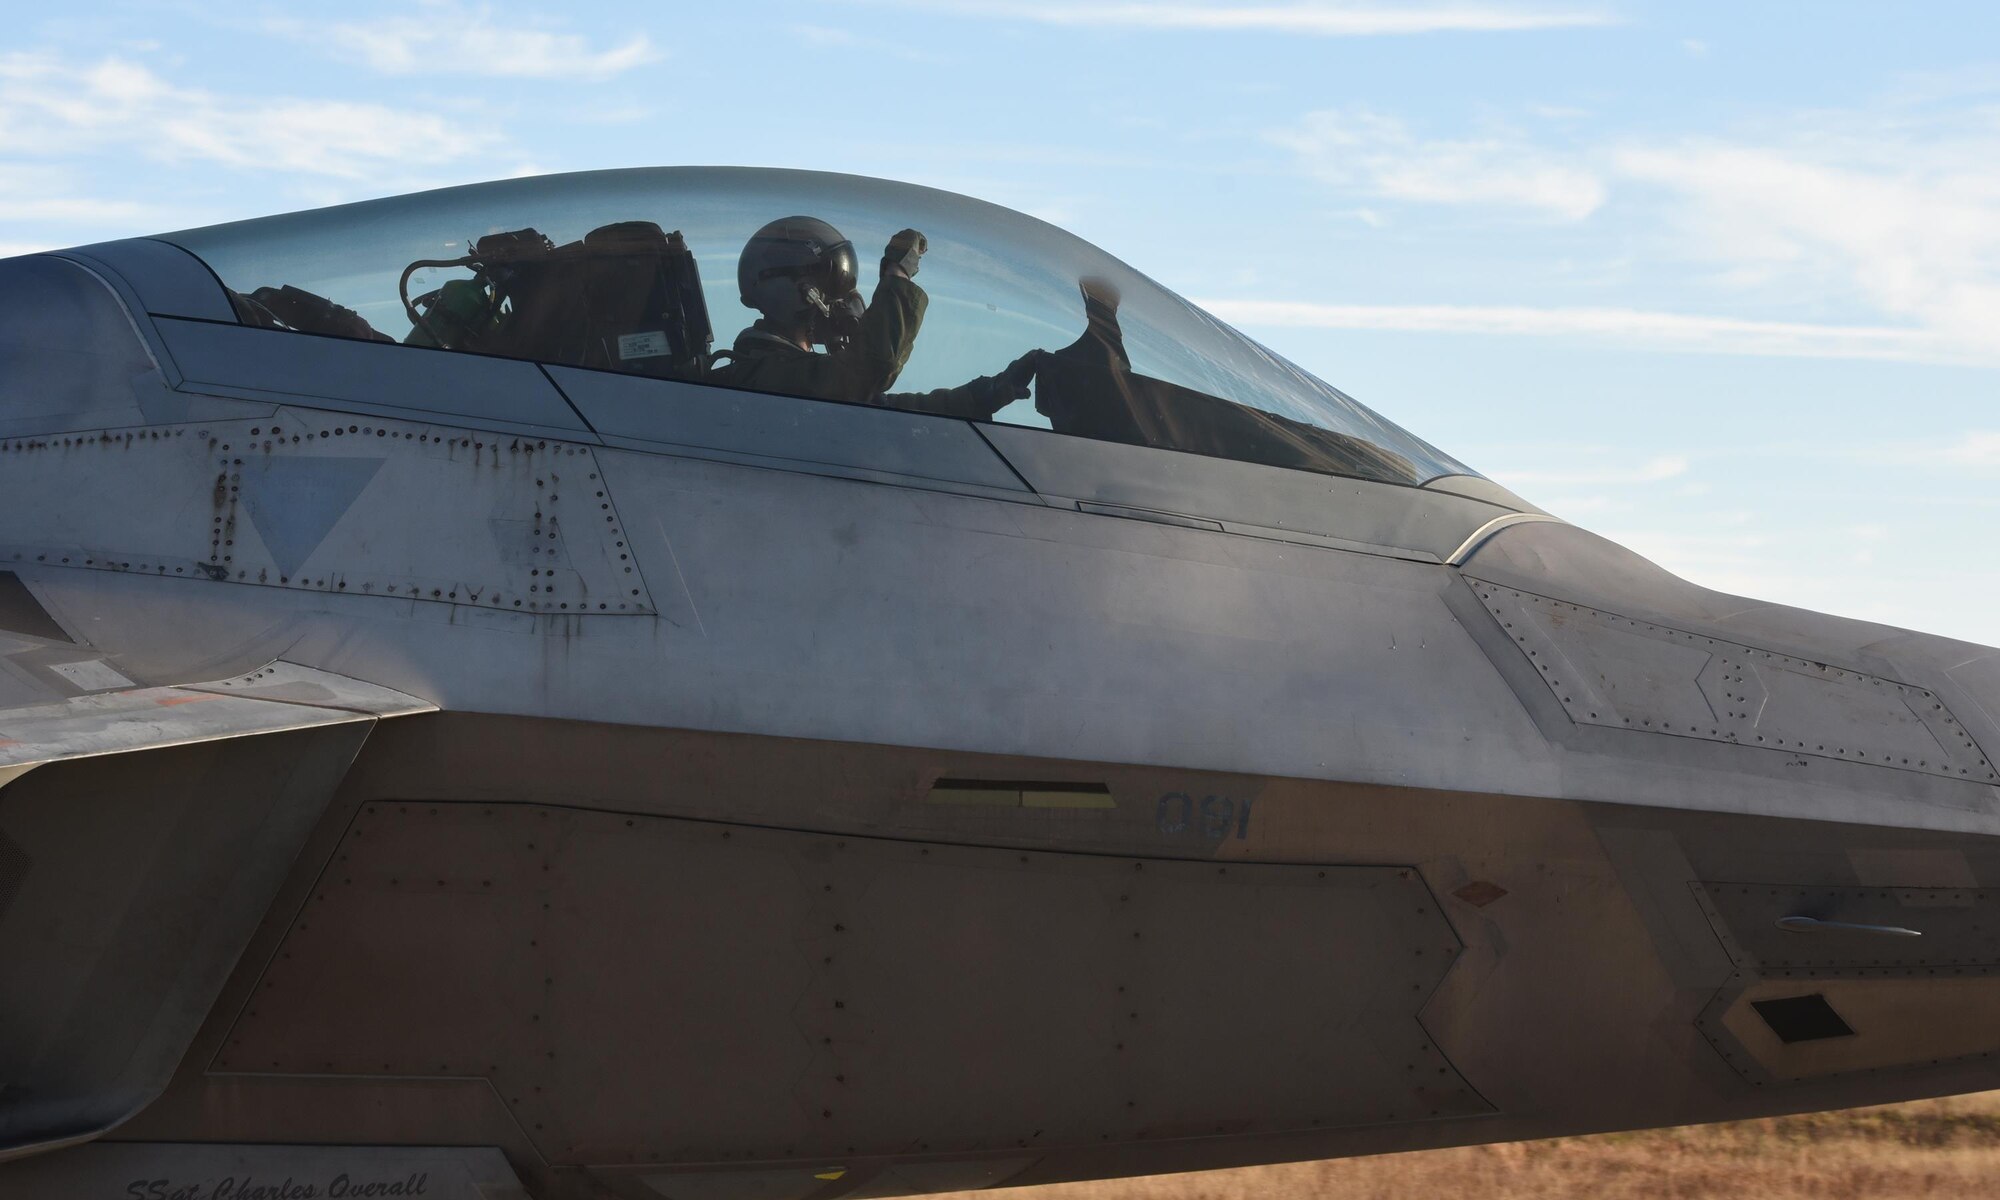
x=463, y=736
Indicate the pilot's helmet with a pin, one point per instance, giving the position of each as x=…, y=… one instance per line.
x=796, y=265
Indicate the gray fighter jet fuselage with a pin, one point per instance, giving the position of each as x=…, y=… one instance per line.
x=450, y=746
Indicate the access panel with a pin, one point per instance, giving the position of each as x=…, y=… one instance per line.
x=644, y=989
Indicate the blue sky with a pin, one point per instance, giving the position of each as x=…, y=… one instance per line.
x=1719, y=281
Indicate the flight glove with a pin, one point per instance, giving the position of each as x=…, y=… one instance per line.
x=903, y=251
x=995, y=392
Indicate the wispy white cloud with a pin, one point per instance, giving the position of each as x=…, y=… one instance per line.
x=1886, y=214
x=51, y=107
x=448, y=38
x=52, y=196
x=1380, y=156
x=1324, y=18
x=1902, y=217
x=1980, y=449
x=1686, y=332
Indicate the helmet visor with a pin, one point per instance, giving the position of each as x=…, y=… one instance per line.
x=842, y=271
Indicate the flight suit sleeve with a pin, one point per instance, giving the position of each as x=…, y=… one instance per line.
x=883, y=344
x=975, y=401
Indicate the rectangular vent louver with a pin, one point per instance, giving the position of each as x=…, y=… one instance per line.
x=1012, y=793
x=1802, y=1018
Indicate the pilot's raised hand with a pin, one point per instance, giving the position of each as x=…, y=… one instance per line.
x=901, y=255
x=997, y=391
x=1021, y=372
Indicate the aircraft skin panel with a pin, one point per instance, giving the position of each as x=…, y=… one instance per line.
x=165, y=279
x=320, y=502
x=1149, y=645
x=83, y=355
x=889, y=446
x=1977, y=678
x=1591, y=570
x=502, y=906
x=823, y=989
x=1907, y=973
x=1478, y=487
x=804, y=606
x=876, y=648
x=125, y=897
x=274, y=699
x=1620, y=672
x=399, y=381
x=135, y=881
x=1351, y=514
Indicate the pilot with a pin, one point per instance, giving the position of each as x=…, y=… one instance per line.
x=800, y=273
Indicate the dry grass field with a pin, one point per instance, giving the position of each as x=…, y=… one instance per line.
x=1930, y=1149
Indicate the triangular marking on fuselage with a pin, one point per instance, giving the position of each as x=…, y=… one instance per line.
x=296, y=502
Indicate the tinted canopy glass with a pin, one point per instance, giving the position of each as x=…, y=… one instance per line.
x=637, y=271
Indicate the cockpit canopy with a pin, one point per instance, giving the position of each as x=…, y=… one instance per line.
x=635, y=271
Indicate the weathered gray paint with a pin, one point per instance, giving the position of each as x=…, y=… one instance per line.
x=277, y=698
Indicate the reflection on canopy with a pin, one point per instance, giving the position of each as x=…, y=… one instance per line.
x=1090, y=389
x=606, y=270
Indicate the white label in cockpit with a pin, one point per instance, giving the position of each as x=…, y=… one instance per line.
x=643, y=345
